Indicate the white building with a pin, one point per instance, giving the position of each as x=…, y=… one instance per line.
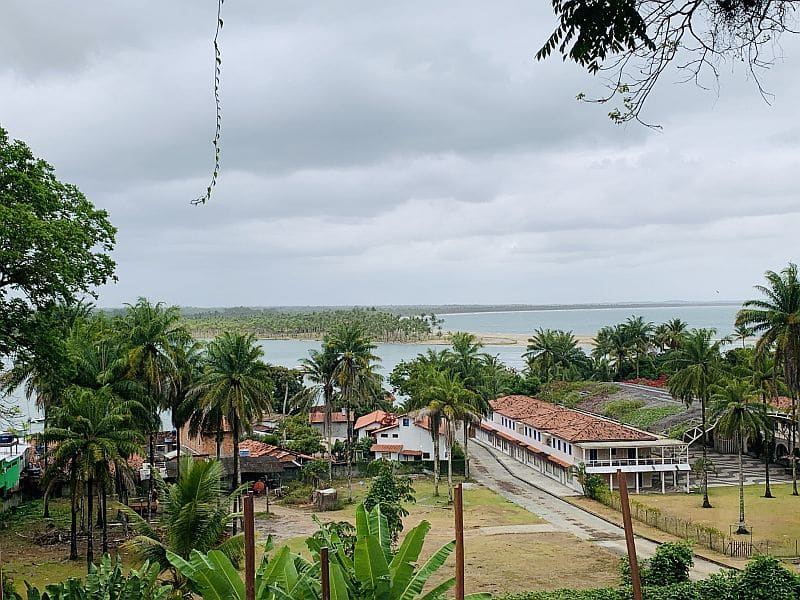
x=554, y=439
x=338, y=423
x=408, y=438
x=368, y=423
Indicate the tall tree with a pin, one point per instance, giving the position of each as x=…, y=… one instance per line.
x=696, y=366
x=54, y=249
x=776, y=318
x=236, y=383
x=93, y=432
x=614, y=343
x=763, y=378
x=358, y=382
x=639, y=334
x=319, y=369
x=185, y=372
x=151, y=332
x=738, y=418
x=555, y=354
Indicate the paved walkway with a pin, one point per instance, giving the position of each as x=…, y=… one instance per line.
x=526, y=487
x=727, y=469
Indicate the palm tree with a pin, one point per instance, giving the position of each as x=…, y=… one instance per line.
x=236, y=383
x=466, y=360
x=696, y=368
x=763, y=377
x=742, y=332
x=555, y=354
x=776, y=318
x=739, y=417
x=675, y=330
x=639, y=336
x=319, y=369
x=614, y=343
x=195, y=515
x=151, y=333
x=355, y=376
x=93, y=431
x=182, y=379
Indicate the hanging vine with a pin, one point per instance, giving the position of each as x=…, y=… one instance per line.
x=218, y=126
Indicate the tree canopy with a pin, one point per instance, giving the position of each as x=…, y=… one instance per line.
x=54, y=247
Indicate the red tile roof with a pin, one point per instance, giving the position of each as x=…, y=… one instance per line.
x=781, y=403
x=376, y=416
x=318, y=416
x=567, y=424
x=411, y=452
x=386, y=447
x=258, y=449
x=559, y=462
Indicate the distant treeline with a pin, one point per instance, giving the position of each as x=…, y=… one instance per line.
x=379, y=325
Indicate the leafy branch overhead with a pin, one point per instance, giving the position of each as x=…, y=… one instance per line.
x=635, y=41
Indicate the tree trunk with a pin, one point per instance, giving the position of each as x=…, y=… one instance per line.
x=742, y=527
x=466, y=449
x=349, y=450
x=450, y=433
x=792, y=453
x=768, y=442
x=151, y=481
x=237, y=476
x=329, y=428
x=177, y=445
x=104, y=504
x=90, y=529
x=46, y=513
x=435, y=435
x=73, y=525
x=704, y=441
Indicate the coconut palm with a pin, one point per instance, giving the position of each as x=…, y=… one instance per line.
x=674, y=333
x=696, y=368
x=763, y=378
x=355, y=375
x=639, y=334
x=183, y=377
x=776, y=318
x=93, y=432
x=739, y=417
x=151, y=333
x=195, y=515
x=741, y=332
x=319, y=369
x=236, y=383
x=614, y=343
x=555, y=354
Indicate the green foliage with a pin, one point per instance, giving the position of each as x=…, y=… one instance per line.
x=616, y=408
x=389, y=491
x=278, y=323
x=634, y=412
x=571, y=393
x=312, y=472
x=554, y=355
x=765, y=578
x=300, y=436
x=108, y=581
x=54, y=248
x=297, y=492
x=373, y=571
x=669, y=565
x=194, y=515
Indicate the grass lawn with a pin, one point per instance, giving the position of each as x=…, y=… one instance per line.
x=775, y=519
x=496, y=563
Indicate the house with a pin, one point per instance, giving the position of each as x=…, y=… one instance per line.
x=554, y=440
x=408, y=438
x=368, y=423
x=339, y=423
x=13, y=460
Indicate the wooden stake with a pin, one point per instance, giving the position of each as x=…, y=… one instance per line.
x=326, y=583
x=629, y=540
x=249, y=549
x=459, y=514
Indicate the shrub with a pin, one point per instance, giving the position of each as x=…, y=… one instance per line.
x=766, y=578
x=388, y=491
x=669, y=566
x=312, y=472
x=616, y=408
x=297, y=492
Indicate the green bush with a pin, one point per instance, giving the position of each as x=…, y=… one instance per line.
x=617, y=408
x=389, y=492
x=297, y=492
x=669, y=566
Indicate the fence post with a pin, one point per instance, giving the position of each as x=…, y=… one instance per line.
x=324, y=572
x=459, y=524
x=629, y=539
x=249, y=549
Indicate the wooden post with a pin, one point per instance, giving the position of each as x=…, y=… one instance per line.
x=459, y=514
x=249, y=549
x=631, y=543
x=326, y=582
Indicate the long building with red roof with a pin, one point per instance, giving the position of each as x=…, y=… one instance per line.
x=554, y=440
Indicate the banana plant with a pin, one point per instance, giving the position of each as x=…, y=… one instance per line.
x=375, y=571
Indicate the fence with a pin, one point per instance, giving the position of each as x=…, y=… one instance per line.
x=729, y=544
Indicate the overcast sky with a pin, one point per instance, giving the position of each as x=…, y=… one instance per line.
x=390, y=153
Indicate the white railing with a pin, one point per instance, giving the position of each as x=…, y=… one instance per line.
x=633, y=462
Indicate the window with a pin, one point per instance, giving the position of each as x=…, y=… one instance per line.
x=426, y=455
x=406, y=421
x=592, y=454
x=394, y=435
x=384, y=435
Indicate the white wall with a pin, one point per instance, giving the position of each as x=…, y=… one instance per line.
x=412, y=437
